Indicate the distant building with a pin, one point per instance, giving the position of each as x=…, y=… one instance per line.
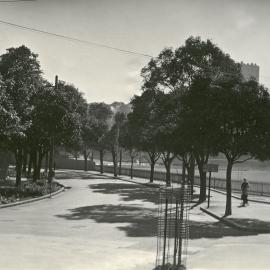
x=121, y=107
x=250, y=71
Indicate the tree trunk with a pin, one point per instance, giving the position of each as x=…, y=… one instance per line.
x=30, y=163
x=40, y=157
x=183, y=173
x=131, y=167
x=152, y=165
x=140, y=159
x=228, y=210
x=191, y=174
x=25, y=157
x=115, y=148
x=167, y=161
x=114, y=157
x=85, y=160
x=202, y=197
x=101, y=153
x=168, y=173
x=153, y=157
x=18, y=157
x=35, y=166
x=46, y=161
x=51, y=161
x=120, y=162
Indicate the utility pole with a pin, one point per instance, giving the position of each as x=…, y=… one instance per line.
x=51, y=154
x=210, y=168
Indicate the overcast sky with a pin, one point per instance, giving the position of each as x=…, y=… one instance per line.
x=239, y=27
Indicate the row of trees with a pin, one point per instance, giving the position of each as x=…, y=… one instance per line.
x=196, y=104
x=36, y=117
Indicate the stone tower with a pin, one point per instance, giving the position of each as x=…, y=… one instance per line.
x=250, y=71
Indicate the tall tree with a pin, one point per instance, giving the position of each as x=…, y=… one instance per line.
x=9, y=121
x=129, y=141
x=9, y=127
x=21, y=74
x=166, y=125
x=174, y=70
x=144, y=127
x=199, y=126
x=241, y=110
x=57, y=115
x=119, y=119
x=100, y=115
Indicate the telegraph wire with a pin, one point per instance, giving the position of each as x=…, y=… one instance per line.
x=12, y=1
x=75, y=39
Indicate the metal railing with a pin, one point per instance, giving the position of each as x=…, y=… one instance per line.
x=257, y=188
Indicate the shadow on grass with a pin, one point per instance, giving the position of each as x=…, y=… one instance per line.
x=128, y=192
x=142, y=222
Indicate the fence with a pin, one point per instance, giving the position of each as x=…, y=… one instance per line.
x=72, y=164
x=257, y=188
x=60, y=163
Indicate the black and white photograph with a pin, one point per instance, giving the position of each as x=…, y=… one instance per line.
x=134, y=135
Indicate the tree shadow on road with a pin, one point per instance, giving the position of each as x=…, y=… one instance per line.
x=128, y=192
x=219, y=230
x=142, y=222
x=131, y=192
x=252, y=224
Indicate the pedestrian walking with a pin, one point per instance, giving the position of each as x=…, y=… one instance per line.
x=244, y=189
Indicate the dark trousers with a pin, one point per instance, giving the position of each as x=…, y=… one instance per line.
x=245, y=199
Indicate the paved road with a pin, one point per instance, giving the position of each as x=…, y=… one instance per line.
x=106, y=224
x=82, y=228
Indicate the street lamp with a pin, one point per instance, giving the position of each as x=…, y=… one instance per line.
x=51, y=156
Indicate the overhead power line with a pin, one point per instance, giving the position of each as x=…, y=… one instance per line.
x=75, y=39
x=11, y=1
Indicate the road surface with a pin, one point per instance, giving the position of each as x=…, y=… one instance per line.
x=106, y=224
x=79, y=230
